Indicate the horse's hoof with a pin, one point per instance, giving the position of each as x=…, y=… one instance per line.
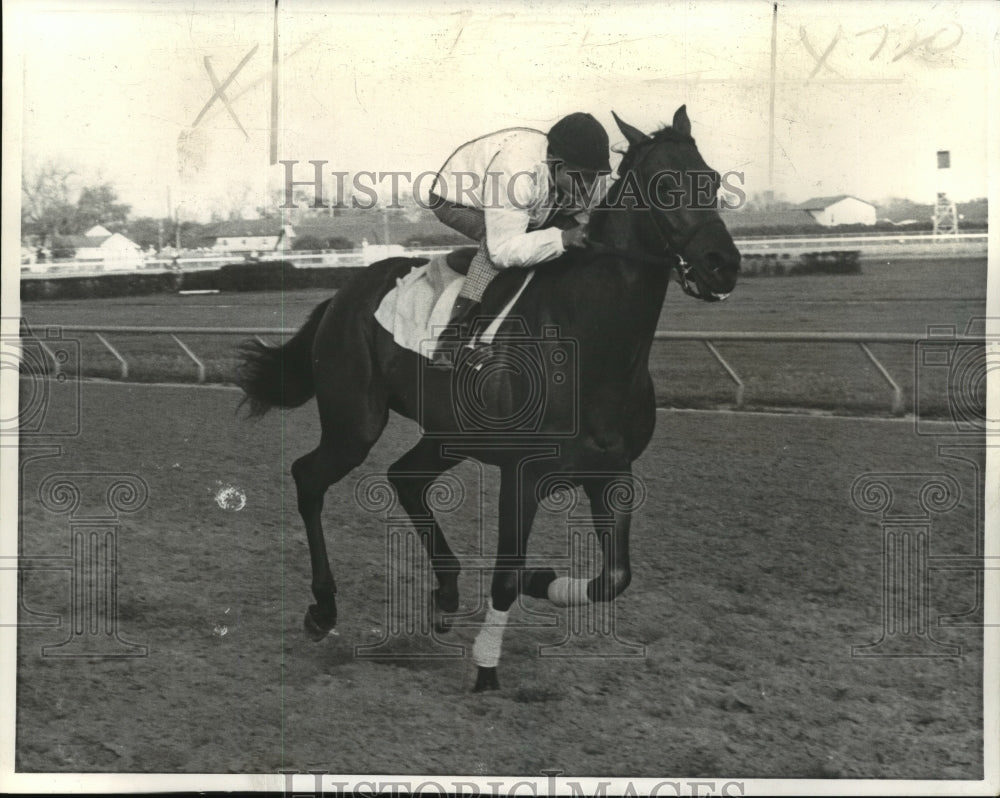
x=486, y=679
x=314, y=629
x=440, y=608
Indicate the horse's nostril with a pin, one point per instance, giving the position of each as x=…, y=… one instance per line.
x=716, y=262
x=721, y=265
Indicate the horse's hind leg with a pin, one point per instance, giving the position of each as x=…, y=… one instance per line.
x=352, y=422
x=314, y=473
x=412, y=475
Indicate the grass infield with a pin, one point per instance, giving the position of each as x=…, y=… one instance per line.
x=905, y=296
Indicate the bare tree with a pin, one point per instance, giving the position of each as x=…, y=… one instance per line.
x=46, y=208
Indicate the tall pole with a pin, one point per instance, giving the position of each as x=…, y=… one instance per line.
x=274, y=90
x=774, y=65
x=174, y=217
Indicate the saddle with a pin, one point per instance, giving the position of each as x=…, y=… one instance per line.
x=419, y=307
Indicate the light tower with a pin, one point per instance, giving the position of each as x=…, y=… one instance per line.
x=945, y=212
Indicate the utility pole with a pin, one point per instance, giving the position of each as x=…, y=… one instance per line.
x=172, y=215
x=774, y=65
x=275, y=63
x=170, y=205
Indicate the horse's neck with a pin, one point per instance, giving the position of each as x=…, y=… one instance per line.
x=646, y=275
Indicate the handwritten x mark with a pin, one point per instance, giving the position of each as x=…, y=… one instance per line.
x=820, y=59
x=220, y=90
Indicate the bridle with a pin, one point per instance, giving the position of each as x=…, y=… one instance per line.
x=673, y=247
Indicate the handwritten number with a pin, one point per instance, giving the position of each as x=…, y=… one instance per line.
x=881, y=44
x=928, y=41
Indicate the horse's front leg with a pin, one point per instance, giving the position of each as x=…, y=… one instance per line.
x=518, y=506
x=611, y=504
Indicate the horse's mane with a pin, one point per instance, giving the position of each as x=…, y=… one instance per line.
x=664, y=134
x=667, y=133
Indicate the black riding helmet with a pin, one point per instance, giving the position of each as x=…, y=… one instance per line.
x=580, y=140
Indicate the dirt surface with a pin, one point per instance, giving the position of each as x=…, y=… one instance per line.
x=754, y=574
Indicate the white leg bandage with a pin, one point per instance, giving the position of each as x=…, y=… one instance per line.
x=486, y=649
x=565, y=591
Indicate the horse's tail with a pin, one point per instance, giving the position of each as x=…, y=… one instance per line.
x=279, y=376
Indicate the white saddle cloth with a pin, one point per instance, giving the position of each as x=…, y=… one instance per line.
x=419, y=307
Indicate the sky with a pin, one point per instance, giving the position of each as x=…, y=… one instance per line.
x=864, y=94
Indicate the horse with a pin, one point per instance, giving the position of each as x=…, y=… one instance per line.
x=602, y=303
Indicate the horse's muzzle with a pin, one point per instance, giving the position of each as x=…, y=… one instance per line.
x=710, y=278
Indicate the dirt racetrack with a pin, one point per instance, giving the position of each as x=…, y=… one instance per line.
x=754, y=574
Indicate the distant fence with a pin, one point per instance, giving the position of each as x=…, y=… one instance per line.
x=922, y=245
x=709, y=339
x=917, y=245
x=300, y=258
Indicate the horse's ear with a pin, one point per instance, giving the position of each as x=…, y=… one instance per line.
x=633, y=134
x=681, y=122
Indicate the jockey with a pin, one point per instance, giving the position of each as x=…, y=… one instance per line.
x=514, y=191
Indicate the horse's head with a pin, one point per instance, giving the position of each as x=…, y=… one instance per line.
x=667, y=175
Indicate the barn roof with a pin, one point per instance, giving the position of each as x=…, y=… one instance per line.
x=792, y=217
x=371, y=225
x=80, y=242
x=822, y=203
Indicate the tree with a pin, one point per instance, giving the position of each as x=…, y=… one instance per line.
x=46, y=209
x=768, y=201
x=99, y=205
x=49, y=210
x=149, y=232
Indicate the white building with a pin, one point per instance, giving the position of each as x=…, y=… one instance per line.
x=375, y=252
x=252, y=235
x=101, y=249
x=842, y=209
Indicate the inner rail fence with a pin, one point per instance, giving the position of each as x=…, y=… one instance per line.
x=709, y=339
x=918, y=245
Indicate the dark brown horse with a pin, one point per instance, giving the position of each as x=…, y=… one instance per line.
x=562, y=396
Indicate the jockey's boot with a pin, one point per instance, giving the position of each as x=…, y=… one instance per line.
x=456, y=334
